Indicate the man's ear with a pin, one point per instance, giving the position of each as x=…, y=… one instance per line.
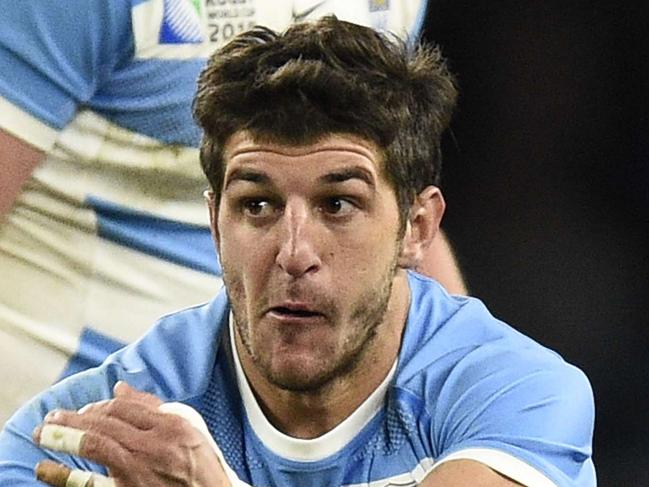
x=421, y=227
x=212, y=206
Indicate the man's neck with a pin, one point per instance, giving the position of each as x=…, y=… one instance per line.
x=312, y=414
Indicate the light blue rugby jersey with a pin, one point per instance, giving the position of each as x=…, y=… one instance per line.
x=466, y=385
x=111, y=231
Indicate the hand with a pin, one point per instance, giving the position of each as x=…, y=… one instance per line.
x=140, y=444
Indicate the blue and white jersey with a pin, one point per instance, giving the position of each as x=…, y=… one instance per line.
x=465, y=386
x=111, y=231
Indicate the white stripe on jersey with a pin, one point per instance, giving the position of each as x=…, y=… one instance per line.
x=18, y=122
x=504, y=463
x=407, y=479
x=96, y=157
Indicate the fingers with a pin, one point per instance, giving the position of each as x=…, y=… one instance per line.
x=52, y=473
x=93, y=406
x=135, y=413
x=100, y=436
x=94, y=445
x=58, y=475
x=122, y=389
x=125, y=391
x=132, y=436
x=59, y=438
x=137, y=408
x=68, y=431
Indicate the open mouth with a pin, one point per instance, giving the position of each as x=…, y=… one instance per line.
x=295, y=313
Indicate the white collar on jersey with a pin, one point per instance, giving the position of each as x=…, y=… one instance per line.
x=306, y=450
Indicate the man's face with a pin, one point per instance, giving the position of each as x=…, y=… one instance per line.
x=308, y=241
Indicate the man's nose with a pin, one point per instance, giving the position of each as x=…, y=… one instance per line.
x=298, y=247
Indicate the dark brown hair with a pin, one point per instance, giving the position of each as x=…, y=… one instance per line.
x=328, y=77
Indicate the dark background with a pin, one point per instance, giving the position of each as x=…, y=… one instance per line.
x=546, y=177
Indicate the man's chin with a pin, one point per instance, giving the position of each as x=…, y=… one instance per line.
x=295, y=377
x=302, y=374
x=299, y=385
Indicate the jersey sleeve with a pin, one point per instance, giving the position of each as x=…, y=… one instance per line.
x=18, y=453
x=156, y=363
x=54, y=55
x=526, y=414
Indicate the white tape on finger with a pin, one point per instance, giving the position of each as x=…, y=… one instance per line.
x=81, y=478
x=101, y=481
x=78, y=478
x=61, y=438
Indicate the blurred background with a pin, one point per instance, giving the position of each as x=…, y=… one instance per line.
x=546, y=177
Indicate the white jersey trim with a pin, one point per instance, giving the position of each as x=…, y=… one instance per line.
x=299, y=449
x=503, y=463
x=94, y=156
x=26, y=127
x=406, y=479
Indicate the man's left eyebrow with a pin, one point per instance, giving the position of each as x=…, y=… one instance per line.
x=347, y=174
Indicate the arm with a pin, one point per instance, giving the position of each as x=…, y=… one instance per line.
x=527, y=416
x=19, y=159
x=460, y=473
x=52, y=55
x=440, y=264
x=140, y=441
x=128, y=409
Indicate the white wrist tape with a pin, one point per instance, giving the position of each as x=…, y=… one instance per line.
x=196, y=420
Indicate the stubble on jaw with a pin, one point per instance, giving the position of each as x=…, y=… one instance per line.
x=368, y=314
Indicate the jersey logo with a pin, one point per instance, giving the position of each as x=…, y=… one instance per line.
x=181, y=22
x=303, y=14
x=170, y=29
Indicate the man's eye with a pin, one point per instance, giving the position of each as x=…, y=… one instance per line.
x=337, y=206
x=257, y=208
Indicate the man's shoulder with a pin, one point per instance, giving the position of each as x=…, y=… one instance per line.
x=444, y=322
x=175, y=357
x=436, y=317
x=172, y=360
x=455, y=339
